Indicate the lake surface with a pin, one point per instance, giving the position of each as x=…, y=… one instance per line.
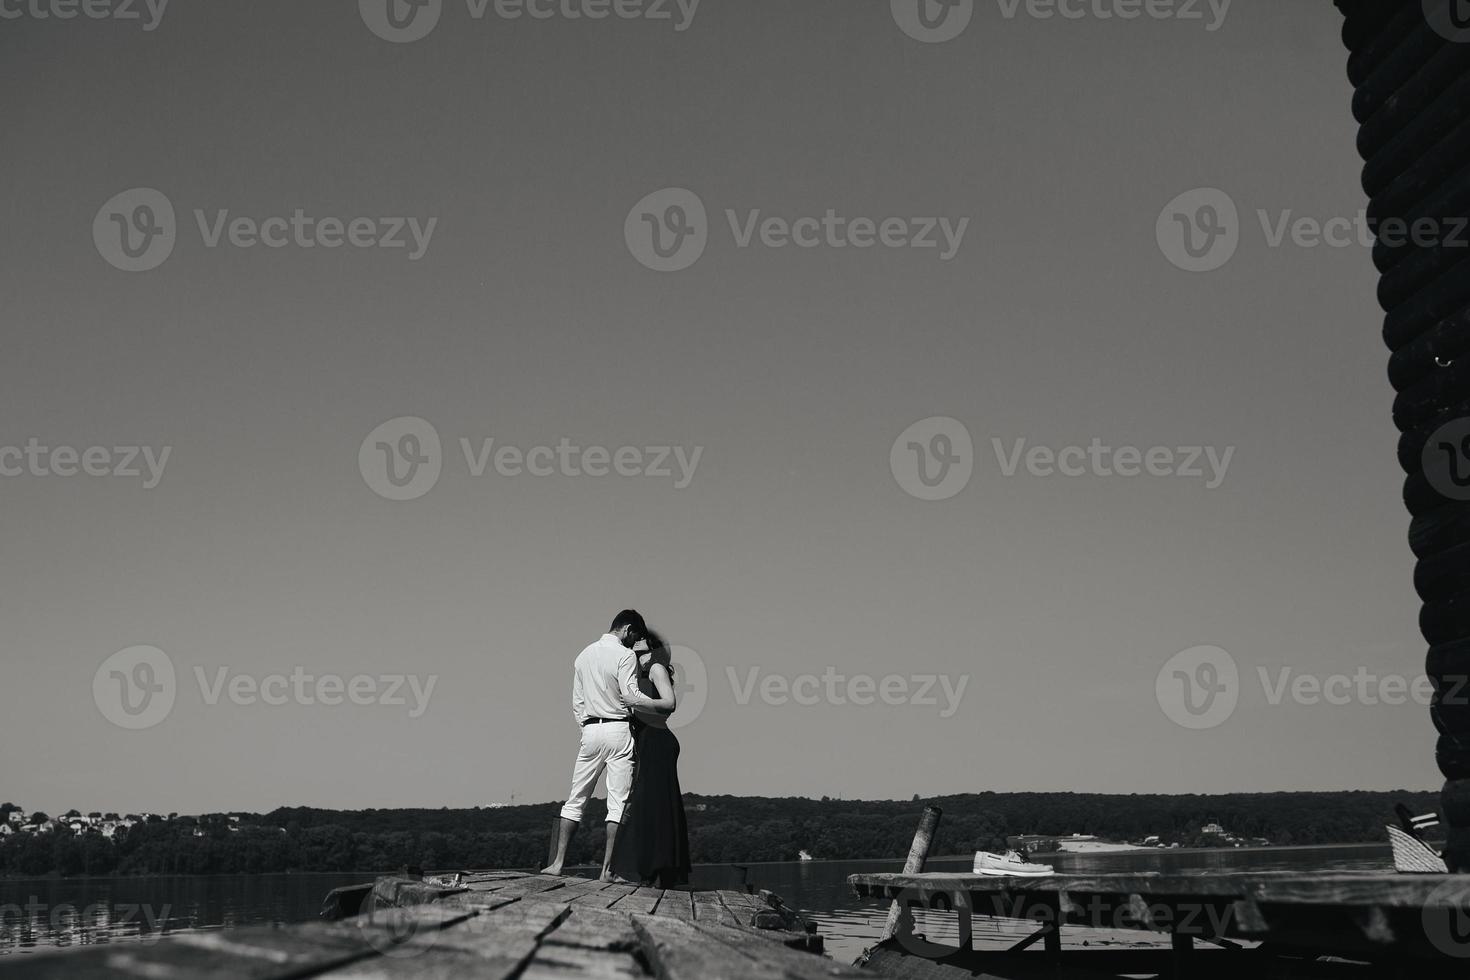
x=46, y=913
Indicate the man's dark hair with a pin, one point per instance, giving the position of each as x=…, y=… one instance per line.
x=630, y=618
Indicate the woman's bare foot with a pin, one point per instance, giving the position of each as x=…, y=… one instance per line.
x=554, y=869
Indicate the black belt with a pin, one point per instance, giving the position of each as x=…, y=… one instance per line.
x=603, y=721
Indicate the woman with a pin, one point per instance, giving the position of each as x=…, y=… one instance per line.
x=652, y=848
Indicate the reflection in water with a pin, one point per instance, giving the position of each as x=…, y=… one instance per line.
x=83, y=911
x=75, y=912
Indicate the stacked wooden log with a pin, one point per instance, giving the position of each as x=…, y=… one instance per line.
x=1410, y=66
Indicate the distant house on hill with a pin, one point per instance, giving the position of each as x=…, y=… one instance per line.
x=16, y=817
x=1212, y=828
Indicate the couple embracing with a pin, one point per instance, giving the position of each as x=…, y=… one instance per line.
x=622, y=697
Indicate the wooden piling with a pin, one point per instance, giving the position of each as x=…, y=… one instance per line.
x=918, y=857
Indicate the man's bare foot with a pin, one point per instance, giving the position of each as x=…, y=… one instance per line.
x=608, y=877
x=555, y=869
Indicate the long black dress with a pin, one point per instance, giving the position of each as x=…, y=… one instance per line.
x=653, y=842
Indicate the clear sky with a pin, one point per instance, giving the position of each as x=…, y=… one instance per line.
x=794, y=550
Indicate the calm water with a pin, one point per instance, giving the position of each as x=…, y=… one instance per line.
x=45, y=913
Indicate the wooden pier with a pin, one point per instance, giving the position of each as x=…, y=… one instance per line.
x=496, y=925
x=1270, y=924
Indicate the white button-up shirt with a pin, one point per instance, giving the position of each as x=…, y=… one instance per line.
x=605, y=681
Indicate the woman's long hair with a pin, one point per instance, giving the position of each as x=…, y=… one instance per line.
x=659, y=652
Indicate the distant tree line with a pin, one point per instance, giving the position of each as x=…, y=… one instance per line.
x=723, y=829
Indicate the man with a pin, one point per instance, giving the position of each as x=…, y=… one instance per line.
x=604, y=692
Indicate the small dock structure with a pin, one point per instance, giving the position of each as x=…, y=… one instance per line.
x=496, y=925
x=1262, y=925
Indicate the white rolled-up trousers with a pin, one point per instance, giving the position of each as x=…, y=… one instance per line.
x=605, y=747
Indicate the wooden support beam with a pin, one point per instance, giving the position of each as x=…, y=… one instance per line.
x=918, y=857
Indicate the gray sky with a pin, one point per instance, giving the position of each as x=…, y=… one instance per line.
x=793, y=549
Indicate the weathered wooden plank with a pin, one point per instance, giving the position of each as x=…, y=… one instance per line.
x=573, y=889
x=479, y=900
x=691, y=951
x=1388, y=890
x=558, y=962
x=709, y=908
x=606, y=897
x=642, y=900
x=256, y=954
x=676, y=905
x=677, y=951
x=535, y=885
x=595, y=928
